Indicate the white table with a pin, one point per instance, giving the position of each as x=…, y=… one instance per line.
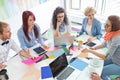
x=16, y=69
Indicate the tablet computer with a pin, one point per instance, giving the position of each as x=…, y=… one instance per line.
x=39, y=50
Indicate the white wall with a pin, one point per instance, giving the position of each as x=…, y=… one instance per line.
x=43, y=14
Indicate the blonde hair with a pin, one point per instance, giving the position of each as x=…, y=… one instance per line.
x=2, y=25
x=88, y=10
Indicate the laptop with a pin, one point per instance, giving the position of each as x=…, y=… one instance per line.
x=61, y=70
x=64, y=40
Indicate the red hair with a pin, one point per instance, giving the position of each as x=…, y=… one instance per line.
x=25, y=17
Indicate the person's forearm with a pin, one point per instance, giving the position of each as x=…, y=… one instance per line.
x=25, y=54
x=56, y=34
x=99, y=46
x=67, y=34
x=94, y=38
x=98, y=54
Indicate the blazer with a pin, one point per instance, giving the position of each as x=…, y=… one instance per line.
x=95, y=30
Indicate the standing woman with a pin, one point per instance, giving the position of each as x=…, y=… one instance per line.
x=90, y=25
x=60, y=25
x=29, y=34
x=112, y=42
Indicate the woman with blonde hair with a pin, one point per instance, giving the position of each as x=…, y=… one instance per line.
x=90, y=25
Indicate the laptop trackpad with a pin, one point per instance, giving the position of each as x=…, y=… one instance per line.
x=74, y=75
x=65, y=74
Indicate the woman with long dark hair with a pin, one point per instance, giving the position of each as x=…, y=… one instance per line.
x=60, y=24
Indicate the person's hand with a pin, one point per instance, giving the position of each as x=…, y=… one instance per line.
x=45, y=46
x=85, y=50
x=27, y=51
x=28, y=54
x=58, y=23
x=95, y=76
x=90, y=39
x=2, y=66
x=117, y=78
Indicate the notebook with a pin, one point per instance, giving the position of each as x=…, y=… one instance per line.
x=79, y=64
x=45, y=72
x=61, y=70
x=64, y=40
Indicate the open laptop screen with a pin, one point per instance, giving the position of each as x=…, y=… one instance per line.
x=58, y=64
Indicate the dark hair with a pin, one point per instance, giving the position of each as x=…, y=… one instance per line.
x=54, y=18
x=3, y=75
x=115, y=22
x=25, y=17
x=2, y=25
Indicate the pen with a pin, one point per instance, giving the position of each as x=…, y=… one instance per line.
x=88, y=58
x=92, y=58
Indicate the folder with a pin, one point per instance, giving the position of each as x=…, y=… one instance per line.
x=79, y=64
x=46, y=72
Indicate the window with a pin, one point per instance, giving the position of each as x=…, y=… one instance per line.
x=75, y=4
x=104, y=8
x=9, y=8
x=111, y=7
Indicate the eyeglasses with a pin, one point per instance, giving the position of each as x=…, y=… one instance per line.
x=60, y=16
x=107, y=25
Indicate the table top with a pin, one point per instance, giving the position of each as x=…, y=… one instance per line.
x=20, y=71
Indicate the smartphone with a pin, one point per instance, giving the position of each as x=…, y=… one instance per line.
x=91, y=44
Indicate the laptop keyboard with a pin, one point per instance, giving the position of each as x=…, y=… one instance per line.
x=65, y=74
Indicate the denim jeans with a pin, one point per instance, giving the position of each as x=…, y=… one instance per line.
x=110, y=69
